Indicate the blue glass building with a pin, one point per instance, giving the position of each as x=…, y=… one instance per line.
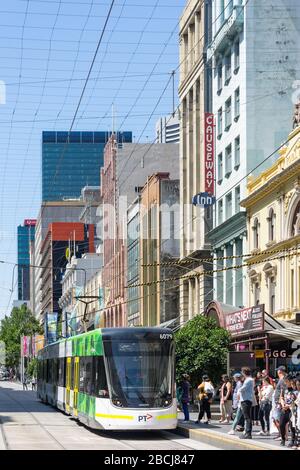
x=26, y=234
x=72, y=160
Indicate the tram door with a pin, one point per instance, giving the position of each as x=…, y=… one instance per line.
x=76, y=386
x=68, y=383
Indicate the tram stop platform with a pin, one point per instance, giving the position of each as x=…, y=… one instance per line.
x=216, y=434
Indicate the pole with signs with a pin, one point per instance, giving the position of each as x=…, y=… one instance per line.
x=209, y=157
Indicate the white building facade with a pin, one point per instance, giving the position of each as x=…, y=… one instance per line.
x=253, y=71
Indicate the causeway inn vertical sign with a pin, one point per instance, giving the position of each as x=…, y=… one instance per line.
x=209, y=154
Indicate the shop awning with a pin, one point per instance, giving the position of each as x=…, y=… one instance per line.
x=281, y=328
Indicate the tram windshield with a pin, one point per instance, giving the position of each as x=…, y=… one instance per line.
x=140, y=372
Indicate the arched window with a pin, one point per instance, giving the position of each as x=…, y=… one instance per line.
x=296, y=221
x=255, y=234
x=271, y=223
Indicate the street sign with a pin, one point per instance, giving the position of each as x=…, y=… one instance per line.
x=203, y=200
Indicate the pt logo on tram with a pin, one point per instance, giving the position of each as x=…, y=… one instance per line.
x=144, y=418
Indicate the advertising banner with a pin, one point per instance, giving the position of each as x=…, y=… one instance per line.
x=209, y=153
x=37, y=344
x=26, y=346
x=247, y=321
x=51, y=322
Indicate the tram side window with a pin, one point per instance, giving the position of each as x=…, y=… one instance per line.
x=48, y=371
x=55, y=370
x=72, y=373
x=82, y=375
x=89, y=378
x=61, y=372
x=101, y=388
x=45, y=370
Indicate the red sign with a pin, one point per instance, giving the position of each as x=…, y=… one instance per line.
x=30, y=222
x=209, y=153
x=245, y=322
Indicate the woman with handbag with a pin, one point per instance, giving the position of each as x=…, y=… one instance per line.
x=206, y=394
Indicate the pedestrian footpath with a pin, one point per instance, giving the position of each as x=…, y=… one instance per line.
x=217, y=434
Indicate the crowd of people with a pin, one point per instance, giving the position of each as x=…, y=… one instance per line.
x=248, y=399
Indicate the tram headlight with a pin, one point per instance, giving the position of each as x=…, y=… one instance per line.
x=117, y=402
x=167, y=402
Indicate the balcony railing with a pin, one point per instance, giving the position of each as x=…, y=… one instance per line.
x=233, y=25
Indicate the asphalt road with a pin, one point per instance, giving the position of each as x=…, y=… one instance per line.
x=26, y=423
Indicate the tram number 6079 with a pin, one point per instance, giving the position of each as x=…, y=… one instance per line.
x=166, y=336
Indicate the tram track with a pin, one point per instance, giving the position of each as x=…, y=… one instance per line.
x=22, y=428
x=6, y=443
x=3, y=437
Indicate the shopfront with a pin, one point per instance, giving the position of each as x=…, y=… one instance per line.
x=257, y=339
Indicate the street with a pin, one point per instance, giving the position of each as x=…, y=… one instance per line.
x=27, y=423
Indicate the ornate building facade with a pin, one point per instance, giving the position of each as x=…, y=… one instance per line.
x=273, y=220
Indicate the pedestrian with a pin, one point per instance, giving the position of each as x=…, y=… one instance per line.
x=185, y=396
x=265, y=397
x=297, y=420
x=25, y=382
x=206, y=394
x=238, y=421
x=279, y=390
x=33, y=383
x=255, y=407
x=246, y=396
x=265, y=374
x=287, y=401
x=225, y=400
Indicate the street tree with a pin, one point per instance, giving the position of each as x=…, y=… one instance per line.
x=21, y=322
x=201, y=348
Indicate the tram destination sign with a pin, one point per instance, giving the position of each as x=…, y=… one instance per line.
x=247, y=321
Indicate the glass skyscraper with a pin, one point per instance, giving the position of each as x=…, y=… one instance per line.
x=72, y=160
x=26, y=234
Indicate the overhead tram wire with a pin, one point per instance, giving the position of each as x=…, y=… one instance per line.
x=133, y=54
x=13, y=113
x=86, y=81
x=75, y=61
x=175, y=70
x=39, y=104
x=153, y=69
x=96, y=79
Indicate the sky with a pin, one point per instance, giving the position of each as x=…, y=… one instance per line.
x=46, y=49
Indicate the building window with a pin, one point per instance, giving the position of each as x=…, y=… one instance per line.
x=272, y=295
x=220, y=122
x=220, y=212
x=228, y=161
x=220, y=77
x=271, y=223
x=237, y=198
x=236, y=56
x=228, y=206
x=292, y=288
x=237, y=104
x=227, y=67
x=220, y=168
x=256, y=293
x=228, y=114
x=237, y=153
x=255, y=234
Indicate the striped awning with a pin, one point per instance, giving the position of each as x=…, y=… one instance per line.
x=281, y=328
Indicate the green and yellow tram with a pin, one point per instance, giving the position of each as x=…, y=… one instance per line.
x=112, y=378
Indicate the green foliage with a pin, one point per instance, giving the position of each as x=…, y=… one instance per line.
x=31, y=368
x=20, y=322
x=201, y=348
